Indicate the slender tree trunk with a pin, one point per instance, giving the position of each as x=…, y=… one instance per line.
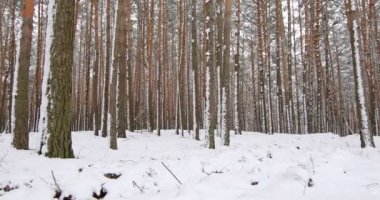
x=107, y=71
x=237, y=99
x=226, y=100
x=209, y=81
x=11, y=63
x=95, y=103
x=194, y=55
x=159, y=62
x=21, y=130
x=131, y=114
x=280, y=102
x=354, y=30
x=150, y=67
x=114, y=76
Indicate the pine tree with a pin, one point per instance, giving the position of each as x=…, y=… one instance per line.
x=59, y=143
x=121, y=57
x=95, y=113
x=107, y=71
x=226, y=100
x=366, y=137
x=237, y=100
x=21, y=130
x=149, y=48
x=209, y=53
x=194, y=61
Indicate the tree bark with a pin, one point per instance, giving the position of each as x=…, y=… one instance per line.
x=21, y=130
x=59, y=143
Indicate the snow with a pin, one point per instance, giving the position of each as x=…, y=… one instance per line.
x=280, y=164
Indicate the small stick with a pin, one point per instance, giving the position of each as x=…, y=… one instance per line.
x=55, y=182
x=135, y=185
x=171, y=173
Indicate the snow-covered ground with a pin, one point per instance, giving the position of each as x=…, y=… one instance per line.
x=256, y=166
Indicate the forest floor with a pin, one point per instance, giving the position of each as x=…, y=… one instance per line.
x=255, y=166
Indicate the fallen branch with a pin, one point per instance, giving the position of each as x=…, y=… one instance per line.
x=171, y=173
x=212, y=172
x=138, y=187
x=58, y=191
x=55, y=182
x=304, y=181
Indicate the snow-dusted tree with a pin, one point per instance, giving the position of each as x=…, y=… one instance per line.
x=352, y=13
x=219, y=62
x=114, y=75
x=21, y=131
x=237, y=100
x=194, y=61
x=11, y=62
x=45, y=88
x=59, y=123
x=209, y=53
x=2, y=70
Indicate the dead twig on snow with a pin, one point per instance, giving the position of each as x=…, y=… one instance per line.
x=171, y=173
x=137, y=186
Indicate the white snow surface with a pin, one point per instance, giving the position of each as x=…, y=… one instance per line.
x=281, y=164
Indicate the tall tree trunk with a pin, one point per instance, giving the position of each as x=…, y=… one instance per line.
x=226, y=101
x=237, y=97
x=21, y=130
x=107, y=71
x=87, y=103
x=194, y=56
x=159, y=62
x=114, y=76
x=150, y=67
x=209, y=80
x=279, y=39
x=121, y=56
x=219, y=62
x=59, y=143
x=366, y=137
x=131, y=114
x=95, y=103
x=38, y=74
x=11, y=63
